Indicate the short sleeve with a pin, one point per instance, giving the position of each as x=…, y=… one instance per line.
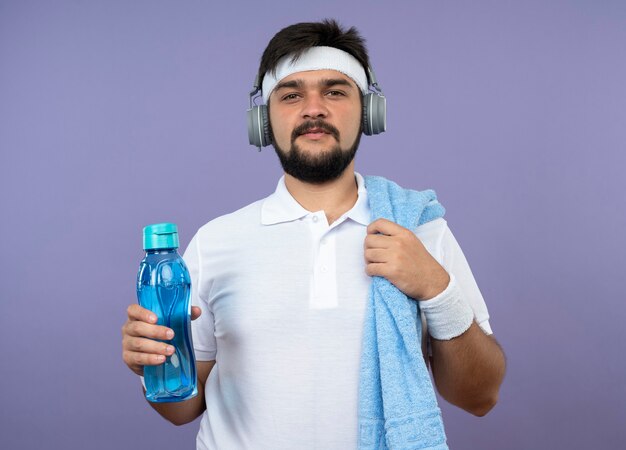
x=203, y=328
x=454, y=261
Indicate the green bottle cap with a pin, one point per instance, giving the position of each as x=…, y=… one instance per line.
x=160, y=235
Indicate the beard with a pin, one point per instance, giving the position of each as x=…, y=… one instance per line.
x=316, y=169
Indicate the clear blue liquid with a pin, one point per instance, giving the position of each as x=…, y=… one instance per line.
x=164, y=287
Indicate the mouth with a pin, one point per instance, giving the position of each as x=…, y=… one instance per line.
x=314, y=133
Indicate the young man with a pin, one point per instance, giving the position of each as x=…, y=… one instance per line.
x=280, y=287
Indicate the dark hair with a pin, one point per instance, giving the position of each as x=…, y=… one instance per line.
x=296, y=39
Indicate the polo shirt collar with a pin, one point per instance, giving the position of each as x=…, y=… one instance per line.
x=282, y=207
x=360, y=212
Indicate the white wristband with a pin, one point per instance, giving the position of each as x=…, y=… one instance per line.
x=447, y=314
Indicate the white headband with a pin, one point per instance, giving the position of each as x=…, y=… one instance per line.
x=316, y=58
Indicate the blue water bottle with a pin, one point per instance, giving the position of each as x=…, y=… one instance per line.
x=164, y=287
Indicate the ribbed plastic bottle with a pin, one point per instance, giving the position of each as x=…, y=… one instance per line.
x=164, y=287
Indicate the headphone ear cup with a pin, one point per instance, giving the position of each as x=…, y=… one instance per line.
x=374, y=113
x=258, y=126
x=366, y=119
x=267, y=140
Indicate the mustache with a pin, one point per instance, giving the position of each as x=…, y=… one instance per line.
x=326, y=127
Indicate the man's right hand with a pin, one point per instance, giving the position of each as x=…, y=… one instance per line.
x=139, y=345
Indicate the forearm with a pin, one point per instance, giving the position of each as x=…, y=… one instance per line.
x=468, y=370
x=180, y=413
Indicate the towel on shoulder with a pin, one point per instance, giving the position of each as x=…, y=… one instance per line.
x=398, y=408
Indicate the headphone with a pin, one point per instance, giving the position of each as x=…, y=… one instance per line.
x=374, y=113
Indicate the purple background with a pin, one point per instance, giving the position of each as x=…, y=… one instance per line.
x=116, y=114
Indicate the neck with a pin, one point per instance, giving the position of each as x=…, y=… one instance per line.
x=333, y=197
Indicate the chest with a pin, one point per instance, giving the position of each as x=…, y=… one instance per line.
x=291, y=281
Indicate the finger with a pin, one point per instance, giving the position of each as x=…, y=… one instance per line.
x=195, y=312
x=384, y=226
x=141, y=329
x=136, y=312
x=142, y=345
x=376, y=269
x=376, y=255
x=377, y=241
x=135, y=359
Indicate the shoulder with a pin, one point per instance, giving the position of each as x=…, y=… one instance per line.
x=438, y=226
x=240, y=221
x=434, y=231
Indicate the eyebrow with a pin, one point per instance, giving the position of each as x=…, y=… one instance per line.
x=289, y=84
x=326, y=82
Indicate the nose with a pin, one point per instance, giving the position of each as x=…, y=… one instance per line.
x=314, y=107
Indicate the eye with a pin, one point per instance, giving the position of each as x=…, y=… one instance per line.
x=335, y=93
x=289, y=97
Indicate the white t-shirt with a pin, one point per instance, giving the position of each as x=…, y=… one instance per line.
x=283, y=298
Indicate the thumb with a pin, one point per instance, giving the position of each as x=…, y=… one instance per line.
x=195, y=312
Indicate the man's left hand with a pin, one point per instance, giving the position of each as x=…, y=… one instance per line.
x=395, y=253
